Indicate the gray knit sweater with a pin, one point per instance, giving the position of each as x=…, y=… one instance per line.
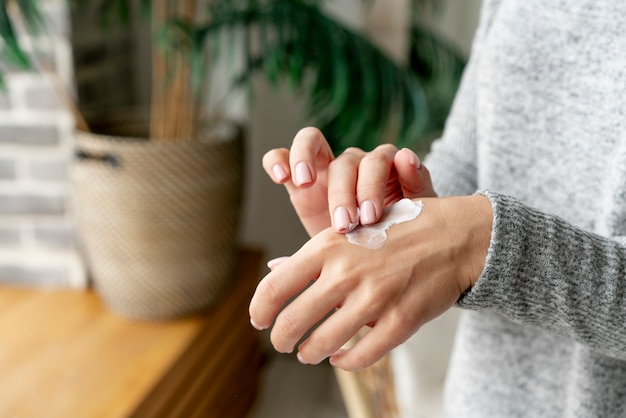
x=539, y=125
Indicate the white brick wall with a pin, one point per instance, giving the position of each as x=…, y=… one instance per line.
x=37, y=235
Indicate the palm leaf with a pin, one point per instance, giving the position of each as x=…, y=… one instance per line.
x=29, y=9
x=11, y=52
x=12, y=55
x=354, y=89
x=355, y=93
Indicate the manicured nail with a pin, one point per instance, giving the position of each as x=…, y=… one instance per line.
x=255, y=325
x=300, y=359
x=303, y=174
x=368, y=213
x=339, y=352
x=342, y=219
x=280, y=174
x=275, y=262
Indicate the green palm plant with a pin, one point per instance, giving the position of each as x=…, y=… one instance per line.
x=12, y=55
x=355, y=93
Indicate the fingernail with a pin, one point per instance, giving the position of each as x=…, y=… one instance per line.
x=255, y=325
x=300, y=359
x=339, y=352
x=303, y=174
x=342, y=219
x=414, y=160
x=275, y=262
x=368, y=212
x=280, y=174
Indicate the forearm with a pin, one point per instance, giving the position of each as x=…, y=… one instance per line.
x=544, y=272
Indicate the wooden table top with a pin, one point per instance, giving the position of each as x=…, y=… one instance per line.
x=63, y=354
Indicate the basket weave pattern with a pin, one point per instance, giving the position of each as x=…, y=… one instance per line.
x=160, y=229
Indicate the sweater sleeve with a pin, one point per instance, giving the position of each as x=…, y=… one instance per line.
x=452, y=159
x=542, y=271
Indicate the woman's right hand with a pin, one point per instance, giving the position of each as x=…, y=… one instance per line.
x=353, y=188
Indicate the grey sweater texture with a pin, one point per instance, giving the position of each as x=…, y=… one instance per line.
x=539, y=126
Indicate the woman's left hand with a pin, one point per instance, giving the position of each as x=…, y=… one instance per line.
x=422, y=269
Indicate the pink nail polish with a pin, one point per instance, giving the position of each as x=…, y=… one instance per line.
x=275, y=262
x=300, y=359
x=332, y=361
x=341, y=219
x=368, y=213
x=279, y=173
x=303, y=174
x=356, y=222
x=255, y=325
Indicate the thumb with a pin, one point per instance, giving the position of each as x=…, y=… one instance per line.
x=413, y=176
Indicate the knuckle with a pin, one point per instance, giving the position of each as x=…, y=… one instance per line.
x=341, y=196
x=379, y=163
x=353, y=151
x=359, y=362
x=325, y=345
x=320, y=345
x=382, y=154
x=344, y=278
x=400, y=322
x=370, y=308
x=309, y=131
x=286, y=328
x=344, y=283
x=331, y=241
x=370, y=158
x=267, y=291
x=371, y=189
x=386, y=149
x=351, y=156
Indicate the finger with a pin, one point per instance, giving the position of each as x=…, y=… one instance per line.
x=342, y=179
x=373, y=176
x=283, y=283
x=275, y=262
x=331, y=335
x=371, y=347
x=309, y=153
x=413, y=176
x=301, y=314
x=276, y=165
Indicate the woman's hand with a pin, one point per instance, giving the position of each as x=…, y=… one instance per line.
x=422, y=269
x=326, y=191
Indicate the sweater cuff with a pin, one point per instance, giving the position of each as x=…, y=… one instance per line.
x=496, y=283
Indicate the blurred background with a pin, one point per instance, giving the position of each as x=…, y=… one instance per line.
x=102, y=57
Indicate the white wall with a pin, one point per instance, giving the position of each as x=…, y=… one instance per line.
x=37, y=245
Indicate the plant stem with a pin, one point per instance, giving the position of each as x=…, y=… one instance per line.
x=172, y=113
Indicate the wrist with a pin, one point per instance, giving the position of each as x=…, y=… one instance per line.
x=471, y=222
x=481, y=212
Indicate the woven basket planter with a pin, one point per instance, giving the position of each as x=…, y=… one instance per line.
x=158, y=219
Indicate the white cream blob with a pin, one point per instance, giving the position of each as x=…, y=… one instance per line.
x=374, y=236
